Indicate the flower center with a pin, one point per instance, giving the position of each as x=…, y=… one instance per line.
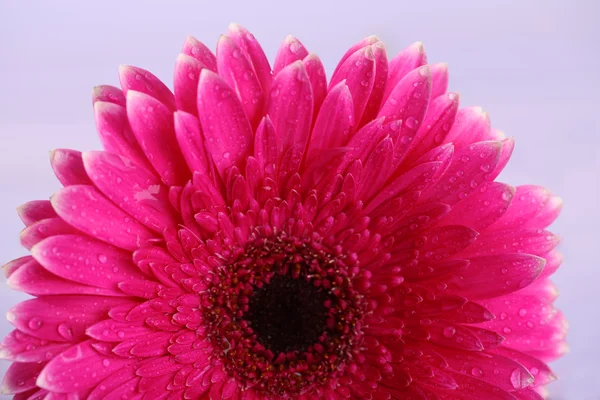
x=282, y=314
x=288, y=314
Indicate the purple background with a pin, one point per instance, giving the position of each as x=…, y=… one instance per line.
x=532, y=64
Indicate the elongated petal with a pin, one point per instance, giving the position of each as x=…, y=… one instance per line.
x=436, y=125
x=77, y=368
x=248, y=43
x=492, y=276
x=152, y=125
x=68, y=167
x=185, y=83
x=21, y=347
x=439, y=79
x=20, y=377
x=290, y=50
x=44, y=228
x=318, y=81
x=61, y=318
x=198, y=50
x=108, y=94
x=359, y=73
x=407, y=60
x=134, y=189
x=290, y=106
x=84, y=260
x=469, y=168
x=225, y=126
x=191, y=141
x=35, y=210
x=36, y=280
x=140, y=80
x=483, y=207
x=115, y=133
x=237, y=71
x=471, y=125
x=335, y=122
x=85, y=208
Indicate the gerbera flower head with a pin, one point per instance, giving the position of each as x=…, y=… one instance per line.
x=262, y=233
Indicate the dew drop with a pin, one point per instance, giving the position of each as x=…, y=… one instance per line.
x=65, y=331
x=102, y=258
x=105, y=362
x=476, y=372
x=449, y=331
x=522, y=312
x=35, y=323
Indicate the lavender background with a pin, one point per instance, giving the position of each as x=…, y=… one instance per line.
x=532, y=64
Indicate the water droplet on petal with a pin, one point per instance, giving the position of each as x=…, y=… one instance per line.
x=449, y=331
x=476, y=372
x=102, y=258
x=35, y=323
x=522, y=312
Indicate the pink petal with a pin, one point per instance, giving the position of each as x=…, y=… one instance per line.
x=152, y=125
x=407, y=60
x=436, y=125
x=21, y=347
x=115, y=134
x=359, y=73
x=335, y=123
x=265, y=146
x=246, y=41
x=194, y=48
x=85, y=208
x=528, y=201
x=439, y=79
x=471, y=125
x=236, y=70
x=377, y=169
x=79, y=367
x=508, y=146
x=61, y=318
x=140, y=80
x=472, y=388
x=417, y=178
x=40, y=230
x=108, y=94
x=541, y=372
x=185, y=83
x=159, y=366
x=547, y=215
x=114, y=331
x=226, y=129
x=553, y=261
x=134, y=189
x=13, y=266
x=68, y=167
x=120, y=383
x=190, y=139
x=290, y=106
x=368, y=41
x=85, y=260
x=20, y=377
x=530, y=241
x=35, y=210
x=318, y=80
x=33, y=279
x=290, y=50
x=469, y=168
x=408, y=100
x=481, y=208
x=496, y=370
x=492, y=276
x=379, y=83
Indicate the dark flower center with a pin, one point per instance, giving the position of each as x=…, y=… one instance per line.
x=282, y=314
x=287, y=314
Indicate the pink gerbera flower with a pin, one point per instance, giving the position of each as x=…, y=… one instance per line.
x=264, y=234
